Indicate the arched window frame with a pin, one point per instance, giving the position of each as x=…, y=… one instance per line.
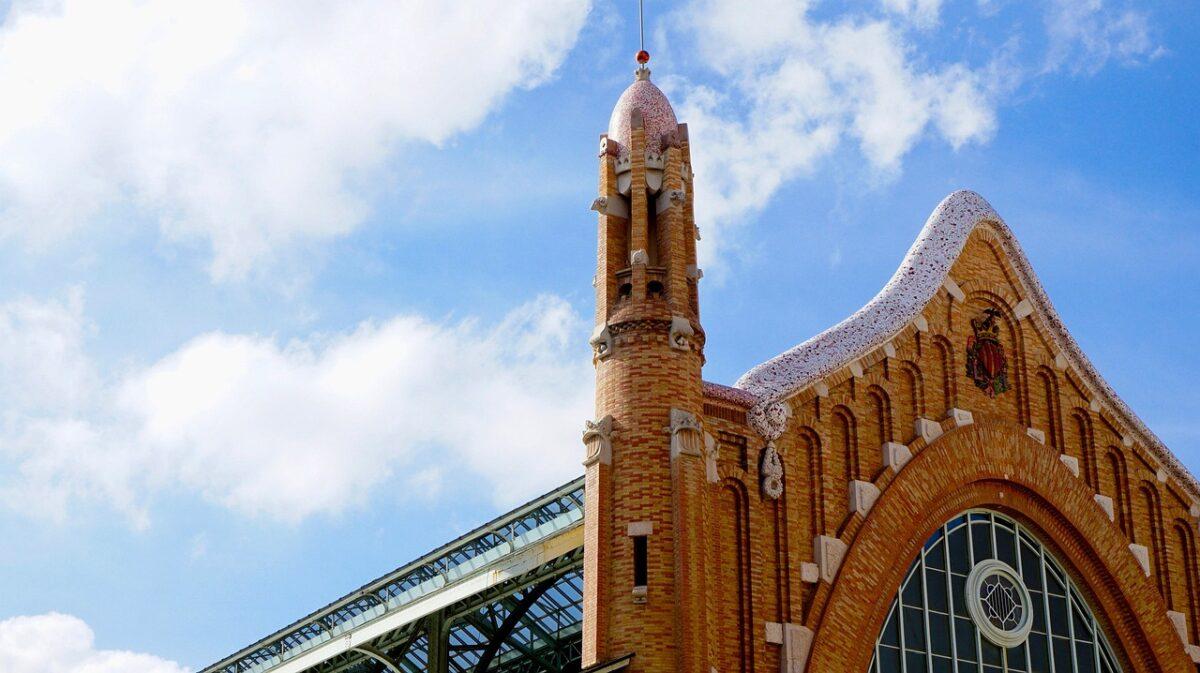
x=932, y=582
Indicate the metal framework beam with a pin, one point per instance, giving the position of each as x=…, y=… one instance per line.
x=512, y=546
x=510, y=622
x=382, y=658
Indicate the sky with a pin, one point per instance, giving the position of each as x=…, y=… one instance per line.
x=293, y=292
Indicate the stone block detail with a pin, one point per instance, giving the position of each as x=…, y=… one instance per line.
x=810, y=573
x=829, y=552
x=616, y=206
x=821, y=388
x=796, y=641
x=711, y=456
x=1180, y=624
x=1023, y=309
x=856, y=369
x=1094, y=405
x=686, y=435
x=889, y=349
x=1106, y=504
x=954, y=290
x=1193, y=652
x=1161, y=476
x=640, y=528
x=1142, y=555
x=921, y=323
x=895, y=455
x=681, y=333
x=1060, y=362
x=863, y=495
x=1037, y=435
x=601, y=342
x=928, y=430
x=597, y=441
x=961, y=417
x=1071, y=462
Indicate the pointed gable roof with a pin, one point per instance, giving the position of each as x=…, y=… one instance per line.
x=921, y=275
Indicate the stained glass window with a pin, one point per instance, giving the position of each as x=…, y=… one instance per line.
x=985, y=596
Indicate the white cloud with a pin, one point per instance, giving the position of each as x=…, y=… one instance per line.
x=799, y=87
x=923, y=13
x=245, y=125
x=314, y=426
x=1086, y=34
x=57, y=643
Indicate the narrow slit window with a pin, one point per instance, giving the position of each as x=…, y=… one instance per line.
x=639, y=561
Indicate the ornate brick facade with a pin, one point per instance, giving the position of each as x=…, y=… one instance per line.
x=881, y=433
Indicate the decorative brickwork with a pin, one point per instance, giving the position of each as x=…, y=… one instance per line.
x=780, y=538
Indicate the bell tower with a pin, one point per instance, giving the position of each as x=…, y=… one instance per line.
x=644, y=555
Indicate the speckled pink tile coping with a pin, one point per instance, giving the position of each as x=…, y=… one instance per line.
x=735, y=396
x=901, y=301
x=658, y=117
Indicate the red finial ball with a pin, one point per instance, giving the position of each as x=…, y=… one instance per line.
x=643, y=57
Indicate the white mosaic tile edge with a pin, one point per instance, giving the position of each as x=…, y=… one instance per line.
x=922, y=273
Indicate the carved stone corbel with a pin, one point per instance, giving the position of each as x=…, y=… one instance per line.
x=607, y=205
x=796, y=641
x=667, y=199
x=681, y=333
x=687, y=437
x=602, y=342
x=639, y=257
x=597, y=441
x=828, y=552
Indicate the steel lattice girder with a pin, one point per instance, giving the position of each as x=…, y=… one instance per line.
x=539, y=522
x=556, y=647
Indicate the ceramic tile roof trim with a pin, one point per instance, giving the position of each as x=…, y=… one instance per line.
x=734, y=396
x=920, y=276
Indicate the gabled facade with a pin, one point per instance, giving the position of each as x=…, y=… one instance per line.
x=771, y=525
x=940, y=483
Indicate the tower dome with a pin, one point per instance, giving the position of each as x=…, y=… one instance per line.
x=657, y=115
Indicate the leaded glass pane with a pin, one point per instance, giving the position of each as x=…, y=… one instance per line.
x=985, y=596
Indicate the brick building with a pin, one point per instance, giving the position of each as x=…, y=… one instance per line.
x=942, y=483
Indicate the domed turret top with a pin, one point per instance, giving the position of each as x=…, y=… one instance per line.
x=657, y=115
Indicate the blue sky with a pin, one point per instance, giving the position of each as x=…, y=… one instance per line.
x=289, y=297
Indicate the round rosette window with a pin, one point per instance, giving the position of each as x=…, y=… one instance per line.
x=999, y=603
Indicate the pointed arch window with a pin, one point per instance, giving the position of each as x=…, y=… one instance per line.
x=985, y=596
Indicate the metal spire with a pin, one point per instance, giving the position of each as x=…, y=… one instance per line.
x=643, y=56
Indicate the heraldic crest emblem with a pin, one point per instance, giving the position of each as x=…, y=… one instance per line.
x=986, y=364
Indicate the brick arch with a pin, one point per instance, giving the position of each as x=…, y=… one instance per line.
x=880, y=412
x=737, y=608
x=1156, y=540
x=1086, y=443
x=992, y=464
x=1120, y=492
x=910, y=403
x=812, y=469
x=1185, y=557
x=948, y=373
x=1048, y=395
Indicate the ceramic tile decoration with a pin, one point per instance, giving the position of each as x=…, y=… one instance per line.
x=922, y=273
x=657, y=115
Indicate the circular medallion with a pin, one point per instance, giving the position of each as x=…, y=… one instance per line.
x=999, y=603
